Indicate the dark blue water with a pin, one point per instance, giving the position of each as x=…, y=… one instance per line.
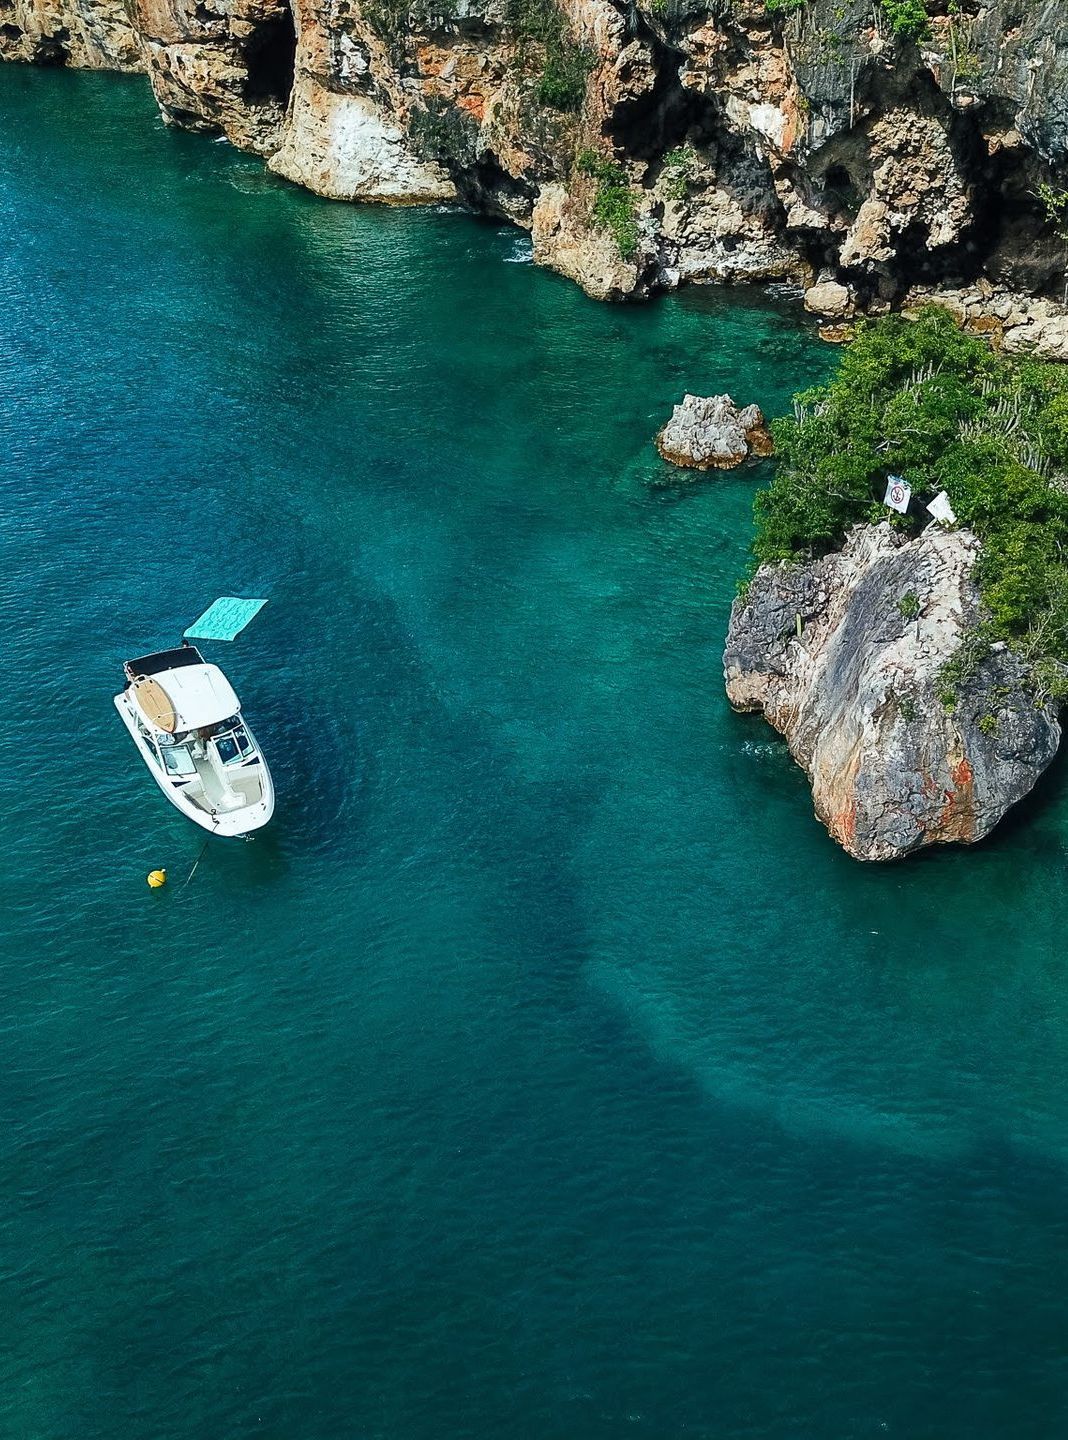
x=543, y=1070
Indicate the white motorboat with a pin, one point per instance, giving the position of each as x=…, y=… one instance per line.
x=185, y=719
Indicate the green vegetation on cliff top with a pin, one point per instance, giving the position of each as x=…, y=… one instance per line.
x=921, y=399
x=908, y=19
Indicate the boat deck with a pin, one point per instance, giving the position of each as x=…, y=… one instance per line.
x=209, y=794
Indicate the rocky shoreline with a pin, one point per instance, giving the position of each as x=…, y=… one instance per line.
x=648, y=146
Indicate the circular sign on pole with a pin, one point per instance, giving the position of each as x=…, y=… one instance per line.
x=897, y=495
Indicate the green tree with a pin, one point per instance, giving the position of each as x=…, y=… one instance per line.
x=908, y=19
x=922, y=399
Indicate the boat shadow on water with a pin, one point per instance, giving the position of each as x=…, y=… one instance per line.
x=320, y=773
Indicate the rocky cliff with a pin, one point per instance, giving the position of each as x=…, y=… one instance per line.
x=642, y=145
x=900, y=752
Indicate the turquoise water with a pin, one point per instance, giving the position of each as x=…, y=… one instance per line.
x=543, y=1070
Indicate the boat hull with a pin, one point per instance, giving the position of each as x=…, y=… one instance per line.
x=233, y=823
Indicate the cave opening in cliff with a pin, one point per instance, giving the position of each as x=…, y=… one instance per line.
x=1014, y=241
x=270, y=53
x=487, y=187
x=52, y=50
x=652, y=121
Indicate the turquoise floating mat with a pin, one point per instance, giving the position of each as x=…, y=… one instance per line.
x=224, y=619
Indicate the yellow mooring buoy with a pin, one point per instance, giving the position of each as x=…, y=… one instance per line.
x=156, y=878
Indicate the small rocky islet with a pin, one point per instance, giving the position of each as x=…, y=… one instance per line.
x=847, y=655
x=710, y=432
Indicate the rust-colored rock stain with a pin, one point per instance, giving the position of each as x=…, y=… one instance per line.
x=957, y=818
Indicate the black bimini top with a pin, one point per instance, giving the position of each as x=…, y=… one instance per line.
x=165, y=660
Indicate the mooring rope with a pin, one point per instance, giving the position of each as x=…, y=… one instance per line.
x=196, y=862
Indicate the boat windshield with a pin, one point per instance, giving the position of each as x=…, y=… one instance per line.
x=177, y=760
x=234, y=746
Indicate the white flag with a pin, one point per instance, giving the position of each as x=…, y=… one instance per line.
x=941, y=509
x=898, y=494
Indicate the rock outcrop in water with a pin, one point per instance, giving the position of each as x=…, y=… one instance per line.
x=894, y=760
x=810, y=144
x=711, y=433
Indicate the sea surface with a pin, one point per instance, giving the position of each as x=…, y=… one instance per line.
x=543, y=1070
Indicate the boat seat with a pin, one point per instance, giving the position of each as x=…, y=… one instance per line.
x=154, y=701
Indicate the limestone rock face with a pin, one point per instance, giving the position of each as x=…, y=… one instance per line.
x=91, y=35
x=1017, y=323
x=711, y=433
x=917, y=180
x=831, y=299
x=223, y=67
x=564, y=241
x=644, y=145
x=859, y=695
x=341, y=146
